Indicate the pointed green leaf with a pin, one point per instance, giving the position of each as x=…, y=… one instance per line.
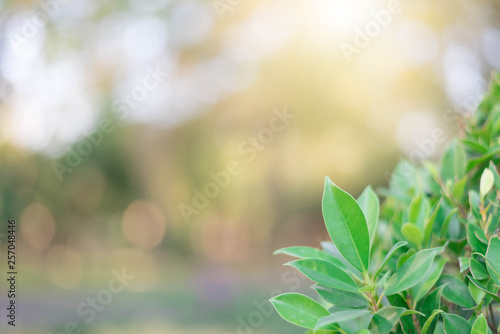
x=304, y=252
x=429, y=224
x=346, y=225
x=482, y=287
x=398, y=245
x=454, y=324
x=369, y=203
x=298, y=309
x=421, y=289
x=456, y=291
x=412, y=271
x=325, y=273
x=418, y=211
x=478, y=269
x=480, y=326
x=447, y=220
x=453, y=162
x=493, y=259
x=472, y=238
x=340, y=297
x=428, y=323
x=340, y=316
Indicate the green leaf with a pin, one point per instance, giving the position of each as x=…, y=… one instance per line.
x=299, y=310
x=384, y=320
x=454, y=324
x=446, y=223
x=480, y=326
x=398, y=245
x=325, y=273
x=480, y=286
x=412, y=271
x=493, y=259
x=431, y=303
x=346, y=225
x=456, y=291
x=340, y=316
x=476, y=293
x=472, y=238
x=418, y=211
x=464, y=263
x=340, y=297
x=478, y=270
x=428, y=323
x=404, y=257
x=304, y=252
x=486, y=183
x=429, y=224
x=412, y=233
x=458, y=188
x=369, y=204
x=330, y=248
x=453, y=162
x=421, y=289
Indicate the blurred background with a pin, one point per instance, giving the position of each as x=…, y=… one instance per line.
x=176, y=144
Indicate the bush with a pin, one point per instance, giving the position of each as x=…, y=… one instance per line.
x=425, y=261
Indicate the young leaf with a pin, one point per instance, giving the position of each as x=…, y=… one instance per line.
x=411, y=233
x=428, y=323
x=412, y=271
x=304, y=252
x=340, y=316
x=398, y=245
x=384, y=320
x=418, y=211
x=456, y=291
x=486, y=183
x=478, y=270
x=476, y=244
x=346, y=225
x=299, y=310
x=429, y=224
x=369, y=203
x=493, y=259
x=453, y=162
x=340, y=297
x=325, y=273
x=480, y=326
x=454, y=324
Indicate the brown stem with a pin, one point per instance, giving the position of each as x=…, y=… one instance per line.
x=414, y=317
x=493, y=322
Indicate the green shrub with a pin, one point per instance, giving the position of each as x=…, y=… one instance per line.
x=427, y=260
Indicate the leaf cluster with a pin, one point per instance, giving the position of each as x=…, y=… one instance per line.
x=426, y=259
